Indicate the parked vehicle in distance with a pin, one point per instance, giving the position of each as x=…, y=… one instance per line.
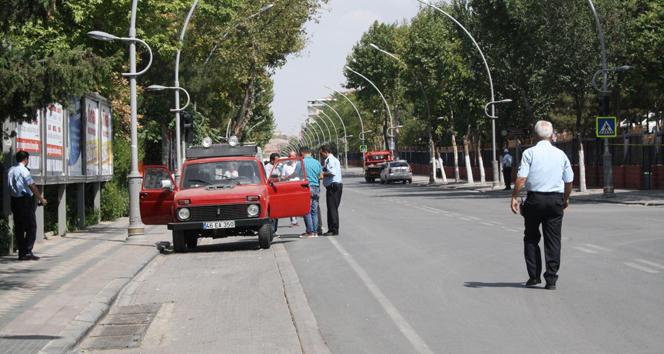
x=373, y=163
x=223, y=192
x=394, y=171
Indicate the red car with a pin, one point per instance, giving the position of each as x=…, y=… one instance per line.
x=373, y=164
x=223, y=192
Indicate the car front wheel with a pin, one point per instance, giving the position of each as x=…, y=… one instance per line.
x=265, y=235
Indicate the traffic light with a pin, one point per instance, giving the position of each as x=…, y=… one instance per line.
x=603, y=103
x=187, y=119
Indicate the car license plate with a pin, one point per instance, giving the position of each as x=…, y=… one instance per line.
x=219, y=225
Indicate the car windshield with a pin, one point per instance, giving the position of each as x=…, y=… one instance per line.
x=220, y=173
x=399, y=164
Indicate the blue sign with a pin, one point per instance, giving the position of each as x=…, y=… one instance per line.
x=606, y=127
x=75, y=160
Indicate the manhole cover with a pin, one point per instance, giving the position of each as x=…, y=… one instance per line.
x=123, y=327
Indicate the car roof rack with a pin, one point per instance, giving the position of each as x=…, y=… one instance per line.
x=221, y=150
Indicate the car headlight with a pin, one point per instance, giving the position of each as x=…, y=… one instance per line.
x=253, y=210
x=184, y=214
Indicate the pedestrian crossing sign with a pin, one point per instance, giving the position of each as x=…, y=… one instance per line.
x=363, y=148
x=606, y=127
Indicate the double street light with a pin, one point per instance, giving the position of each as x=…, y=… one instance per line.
x=136, y=226
x=359, y=116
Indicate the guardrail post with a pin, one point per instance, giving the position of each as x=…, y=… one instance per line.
x=80, y=205
x=62, y=209
x=96, y=201
x=39, y=215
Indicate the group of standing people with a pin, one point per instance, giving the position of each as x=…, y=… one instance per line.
x=329, y=175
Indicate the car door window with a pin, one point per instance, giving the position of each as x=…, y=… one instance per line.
x=153, y=177
x=288, y=170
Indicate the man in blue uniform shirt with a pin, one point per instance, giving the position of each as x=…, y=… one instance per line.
x=23, y=193
x=547, y=176
x=333, y=189
x=314, y=171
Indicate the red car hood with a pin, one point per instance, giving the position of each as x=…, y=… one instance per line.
x=235, y=195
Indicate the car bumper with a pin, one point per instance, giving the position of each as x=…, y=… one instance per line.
x=399, y=177
x=198, y=225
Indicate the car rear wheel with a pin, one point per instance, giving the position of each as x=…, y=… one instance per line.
x=369, y=179
x=179, y=244
x=410, y=181
x=265, y=235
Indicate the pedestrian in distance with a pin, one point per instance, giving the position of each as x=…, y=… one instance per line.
x=546, y=174
x=314, y=172
x=23, y=193
x=507, y=169
x=333, y=189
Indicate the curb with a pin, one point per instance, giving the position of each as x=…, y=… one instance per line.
x=306, y=326
x=86, y=320
x=609, y=201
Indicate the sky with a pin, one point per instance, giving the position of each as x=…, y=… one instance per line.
x=341, y=25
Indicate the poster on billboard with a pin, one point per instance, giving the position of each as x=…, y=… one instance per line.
x=28, y=138
x=75, y=124
x=55, y=140
x=91, y=137
x=106, y=140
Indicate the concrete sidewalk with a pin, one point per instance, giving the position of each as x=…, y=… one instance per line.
x=50, y=304
x=622, y=196
x=227, y=296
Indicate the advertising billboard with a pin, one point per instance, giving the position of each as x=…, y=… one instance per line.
x=106, y=140
x=55, y=140
x=91, y=137
x=28, y=138
x=75, y=124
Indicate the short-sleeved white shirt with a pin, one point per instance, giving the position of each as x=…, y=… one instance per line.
x=546, y=168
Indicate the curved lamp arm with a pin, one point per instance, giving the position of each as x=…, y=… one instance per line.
x=188, y=99
x=125, y=39
x=359, y=116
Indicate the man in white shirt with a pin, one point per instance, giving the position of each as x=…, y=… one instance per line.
x=507, y=169
x=546, y=174
x=288, y=173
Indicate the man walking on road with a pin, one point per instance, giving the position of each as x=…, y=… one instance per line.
x=314, y=171
x=507, y=169
x=23, y=193
x=333, y=189
x=547, y=175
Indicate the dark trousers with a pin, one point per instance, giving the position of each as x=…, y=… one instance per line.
x=333, y=200
x=545, y=209
x=507, y=176
x=320, y=221
x=25, y=224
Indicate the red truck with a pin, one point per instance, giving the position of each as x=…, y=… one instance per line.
x=223, y=191
x=373, y=163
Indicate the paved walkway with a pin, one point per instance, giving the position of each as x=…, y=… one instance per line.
x=49, y=301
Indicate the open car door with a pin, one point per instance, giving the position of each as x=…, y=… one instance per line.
x=289, y=189
x=157, y=194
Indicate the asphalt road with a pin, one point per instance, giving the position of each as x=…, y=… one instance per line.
x=419, y=269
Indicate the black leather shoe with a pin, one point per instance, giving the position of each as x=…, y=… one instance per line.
x=24, y=258
x=550, y=286
x=330, y=233
x=533, y=281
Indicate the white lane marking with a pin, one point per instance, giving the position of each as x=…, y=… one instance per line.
x=641, y=268
x=406, y=329
x=600, y=248
x=473, y=218
x=652, y=264
x=486, y=223
x=583, y=249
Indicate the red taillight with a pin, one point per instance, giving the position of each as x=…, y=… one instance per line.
x=184, y=202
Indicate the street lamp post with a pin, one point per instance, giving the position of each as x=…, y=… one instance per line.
x=494, y=161
x=325, y=140
x=334, y=126
x=359, y=116
x=607, y=159
x=136, y=226
x=179, y=150
x=343, y=125
x=252, y=128
x=159, y=88
x=327, y=126
x=389, y=112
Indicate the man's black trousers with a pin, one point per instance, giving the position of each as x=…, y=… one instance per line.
x=545, y=209
x=332, y=200
x=507, y=175
x=25, y=224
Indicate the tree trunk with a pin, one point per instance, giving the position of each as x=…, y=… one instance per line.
x=582, y=168
x=480, y=160
x=432, y=151
x=442, y=168
x=455, y=148
x=469, y=168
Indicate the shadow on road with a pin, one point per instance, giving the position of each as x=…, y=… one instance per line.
x=478, y=284
x=233, y=246
x=29, y=337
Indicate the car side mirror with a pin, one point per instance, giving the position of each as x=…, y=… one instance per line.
x=167, y=184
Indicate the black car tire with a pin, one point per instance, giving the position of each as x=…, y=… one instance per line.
x=369, y=179
x=382, y=181
x=265, y=235
x=179, y=244
x=410, y=181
